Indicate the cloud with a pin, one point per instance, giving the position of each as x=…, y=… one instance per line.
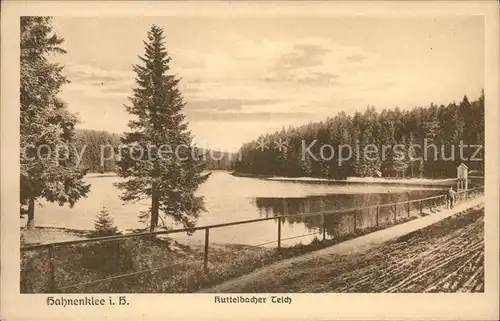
x=248, y=116
x=381, y=86
x=303, y=55
x=224, y=104
x=91, y=81
x=304, y=78
x=85, y=73
x=356, y=58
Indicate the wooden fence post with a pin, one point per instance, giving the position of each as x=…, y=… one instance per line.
x=377, y=216
x=285, y=212
x=421, y=207
x=408, y=204
x=395, y=212
x=354, y=219
x=324, y=226
x=52, y=274
x=205, y=254
x=307, y=205
x=279, y=234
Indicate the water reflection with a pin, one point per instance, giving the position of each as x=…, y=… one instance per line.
x=342, y=223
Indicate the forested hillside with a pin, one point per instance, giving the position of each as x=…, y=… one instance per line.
x=96, y=148
x=443, y=126
x=90, y=142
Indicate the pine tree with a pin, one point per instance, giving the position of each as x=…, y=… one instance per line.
x=160, y=162
x=479, y=129
x=400, y=160
x=49, y=167
x=104, y=225
x=388, y=140
x=412, y=154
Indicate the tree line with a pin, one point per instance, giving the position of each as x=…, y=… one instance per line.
x=99, y=150
x=416, y=131
x=96, y=148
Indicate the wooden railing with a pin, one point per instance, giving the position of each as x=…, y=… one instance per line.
x=419, y=205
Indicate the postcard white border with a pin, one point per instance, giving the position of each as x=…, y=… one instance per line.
x=15, y=306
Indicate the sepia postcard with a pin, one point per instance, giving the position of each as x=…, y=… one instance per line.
x=220, y=160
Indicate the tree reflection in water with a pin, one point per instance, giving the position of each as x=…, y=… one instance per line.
x=342, y=223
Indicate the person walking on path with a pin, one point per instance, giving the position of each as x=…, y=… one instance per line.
x=450, y=197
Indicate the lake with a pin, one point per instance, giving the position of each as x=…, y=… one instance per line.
x=229, y=198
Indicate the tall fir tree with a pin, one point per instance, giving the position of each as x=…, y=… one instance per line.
x=159, y=161
x=401, y=159
x=479, y=131
x=49, y=167
x=412, y=154
x=431, y=150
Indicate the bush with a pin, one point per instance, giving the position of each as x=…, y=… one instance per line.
x=104, y=225
x=105, y=257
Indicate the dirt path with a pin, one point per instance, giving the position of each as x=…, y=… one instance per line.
x=424, y=249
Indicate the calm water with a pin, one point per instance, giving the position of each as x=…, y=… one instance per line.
x=230, y=198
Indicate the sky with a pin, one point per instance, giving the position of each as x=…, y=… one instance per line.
x=244, y=76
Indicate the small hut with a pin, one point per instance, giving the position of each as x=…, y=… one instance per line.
x=462, y=182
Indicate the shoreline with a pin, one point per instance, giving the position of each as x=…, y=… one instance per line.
x=423, y=182
x=97, y=175
x=49, y=234
x=113, y=174
x=420, y=182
